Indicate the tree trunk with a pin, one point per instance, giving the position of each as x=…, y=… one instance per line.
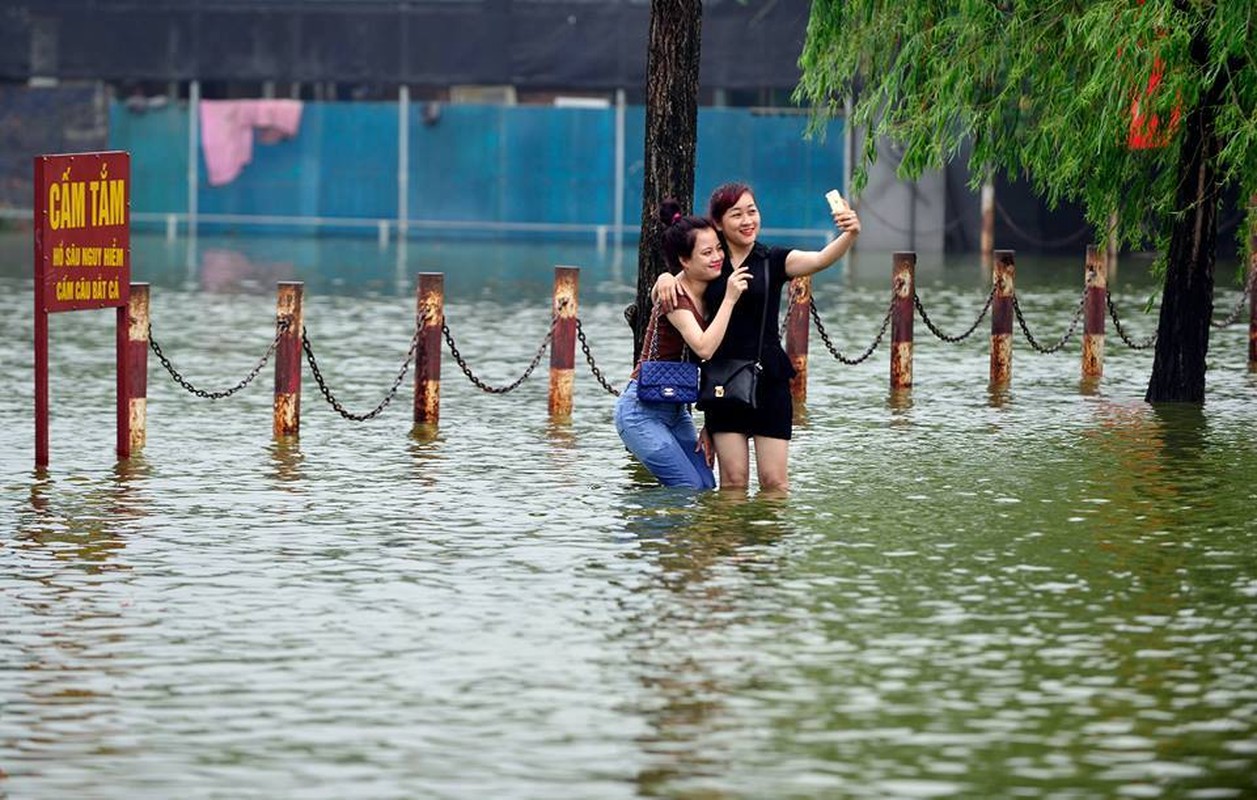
x=1178, y=369
x=671, y=136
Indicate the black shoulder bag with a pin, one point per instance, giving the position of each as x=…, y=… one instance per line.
x=729, y=383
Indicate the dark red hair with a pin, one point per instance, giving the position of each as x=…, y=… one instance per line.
x=726, y=197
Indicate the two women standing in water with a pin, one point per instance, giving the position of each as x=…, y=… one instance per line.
x=661, y=434
x=752, y=275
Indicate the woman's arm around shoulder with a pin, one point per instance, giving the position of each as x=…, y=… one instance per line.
x=666, y=291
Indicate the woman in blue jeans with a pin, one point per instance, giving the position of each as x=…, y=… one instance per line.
x=662, y=435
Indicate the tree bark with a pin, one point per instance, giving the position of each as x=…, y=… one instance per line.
x=672, y=62
x=1178, y=368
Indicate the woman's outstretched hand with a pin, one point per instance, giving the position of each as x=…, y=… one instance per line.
x=847, y=221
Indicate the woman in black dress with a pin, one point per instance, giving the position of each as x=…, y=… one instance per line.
x=736, y=216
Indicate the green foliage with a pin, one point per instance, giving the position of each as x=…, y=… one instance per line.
x=1040, y=89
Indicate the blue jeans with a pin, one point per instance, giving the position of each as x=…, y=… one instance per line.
x=662, y=436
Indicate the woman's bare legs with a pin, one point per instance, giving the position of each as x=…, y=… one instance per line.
x=733, y=457
x=771, y=460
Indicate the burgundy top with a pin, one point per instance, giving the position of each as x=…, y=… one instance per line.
x=671, y=343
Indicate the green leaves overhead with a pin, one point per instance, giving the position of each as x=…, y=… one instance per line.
x=1042, y=89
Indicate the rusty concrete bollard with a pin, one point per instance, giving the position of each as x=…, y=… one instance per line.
x=287, y=408
x=563, y=344
x=798, y=323
x=137, y=364
x=1252, y=303
x=122, y=381
x=1002, y=318
x=903, y=282
x=430, y=319
x=986, y=240
x=1112, y=251
x=1095, y=303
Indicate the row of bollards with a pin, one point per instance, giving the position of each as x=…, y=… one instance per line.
x=430, y=329
x=1004, y=310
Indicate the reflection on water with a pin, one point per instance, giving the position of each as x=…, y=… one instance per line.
x=899, y=402
x=225, y=270
x=287, y=462
x=1048, y=591
x=700, y=551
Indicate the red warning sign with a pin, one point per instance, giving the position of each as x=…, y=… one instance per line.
x=82, y=230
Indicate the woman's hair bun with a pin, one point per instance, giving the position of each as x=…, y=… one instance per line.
x=670, y=211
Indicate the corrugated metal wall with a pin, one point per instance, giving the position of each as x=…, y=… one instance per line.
x=480, y=164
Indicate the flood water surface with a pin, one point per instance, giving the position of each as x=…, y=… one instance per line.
x=1043, y=592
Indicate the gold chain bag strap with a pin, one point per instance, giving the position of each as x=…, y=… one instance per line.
x=666, y=381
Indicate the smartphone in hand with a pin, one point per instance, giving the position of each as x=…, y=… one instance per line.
x=836, y=203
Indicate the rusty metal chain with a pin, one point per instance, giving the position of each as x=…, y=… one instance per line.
x=916, y=300
x=281, y=325
x=829, y=345
x=1117, y=323
x=331, y=398
x=1239, y=304
x=510, y=387
x=783, y=323
x=589, y=357
x=1073, y=325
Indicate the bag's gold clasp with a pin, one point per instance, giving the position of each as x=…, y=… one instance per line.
x=720, y=391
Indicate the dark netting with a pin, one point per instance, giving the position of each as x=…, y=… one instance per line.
x=525, y=43
x=61, y=119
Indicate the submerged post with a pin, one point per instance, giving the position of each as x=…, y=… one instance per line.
x=287, y=409
x=430, y=320
x=563, y=344
x=1110, y=256
x=1095, y=278
x=797, y=325
x=1252, y=303
x=1002, y=318
x=137, y=364
x=986, y=239
x=903, y=282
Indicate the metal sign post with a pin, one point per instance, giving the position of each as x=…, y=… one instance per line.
x=82, y=260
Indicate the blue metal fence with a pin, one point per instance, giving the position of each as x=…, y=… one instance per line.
x=476, y=167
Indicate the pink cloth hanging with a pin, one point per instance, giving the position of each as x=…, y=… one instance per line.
x=227, y=132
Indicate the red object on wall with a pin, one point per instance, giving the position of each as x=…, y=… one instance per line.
x=1146, y=130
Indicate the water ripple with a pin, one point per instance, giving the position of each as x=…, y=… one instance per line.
x=1044, y=592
